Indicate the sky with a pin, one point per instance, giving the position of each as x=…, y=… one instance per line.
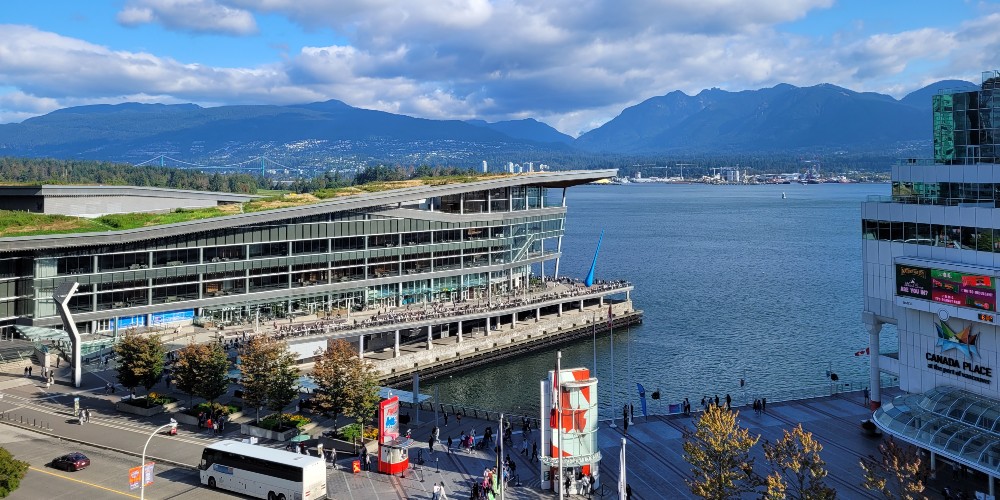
x=573, y=64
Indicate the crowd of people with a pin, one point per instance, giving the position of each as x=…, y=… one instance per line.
x=437, y=310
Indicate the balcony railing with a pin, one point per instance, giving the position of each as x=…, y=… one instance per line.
x=934, y=200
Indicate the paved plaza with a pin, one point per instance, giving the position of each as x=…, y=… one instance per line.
x=40, y=426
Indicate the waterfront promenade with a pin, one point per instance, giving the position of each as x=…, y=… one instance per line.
x=654, y=454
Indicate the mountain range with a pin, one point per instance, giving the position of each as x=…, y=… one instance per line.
x=779, y=118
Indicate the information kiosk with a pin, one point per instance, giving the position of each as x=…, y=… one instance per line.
x=393, y=450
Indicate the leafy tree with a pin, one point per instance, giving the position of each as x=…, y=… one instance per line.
x=718, y=451
x=897, y=473
x=268, y=374
x=202, y=370
x=12, y=471
x=140, y=360
x=797, y=471
x=346, y=383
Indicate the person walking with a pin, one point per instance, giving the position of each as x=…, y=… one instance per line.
x=534, y=451
x=716, y=400
x=729, y=402
x=444, y=493
x=524, y=446
x=868, y=397
x=763, y=405
x=437, y=492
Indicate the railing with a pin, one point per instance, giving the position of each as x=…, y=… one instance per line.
x=933, y=200
x=469, y=411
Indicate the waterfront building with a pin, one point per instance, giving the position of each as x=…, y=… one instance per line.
x=931, y=257
x=411, y=246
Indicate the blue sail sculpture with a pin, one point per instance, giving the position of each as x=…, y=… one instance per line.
x=590, y=276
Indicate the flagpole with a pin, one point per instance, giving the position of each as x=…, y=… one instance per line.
x=559, y=432
x=628, y=368
x=614, y=403
x=622, y=481
x=595, y=344
x=500, y=459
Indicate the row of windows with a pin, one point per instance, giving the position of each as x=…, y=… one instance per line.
x=142, y=260
x=970, y=238
x=946, y=193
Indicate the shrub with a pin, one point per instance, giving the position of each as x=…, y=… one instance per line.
x=213, y=409
x=11, y=472
x=353, y=431
x=150, y=400
x=288, y=420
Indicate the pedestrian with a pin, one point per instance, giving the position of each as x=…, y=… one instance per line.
x=524, y=446
x=625, y=426
x=208, y=423
x=319, y=450
x=631, y=412
x=436, y=433
x=458, y=418
x=57, y=362
x=716, y=400
x=534, y=451
x=687, y=407
x=437, y=492
x=585, y=485
x=446, y=419
x=763, y=405
x=444, y=494
x=430, y=446
x=368, y=461
x=729, y=402
x=82, y=417
x=450, y=442
x=25, y=371
x=704, y=404
x=215, y=427
x=868, y=397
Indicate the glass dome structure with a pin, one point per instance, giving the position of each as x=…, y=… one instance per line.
x=949, y=421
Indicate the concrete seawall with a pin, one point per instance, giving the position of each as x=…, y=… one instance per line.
x=447, y=355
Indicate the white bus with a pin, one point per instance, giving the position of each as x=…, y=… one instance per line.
x=262, y=472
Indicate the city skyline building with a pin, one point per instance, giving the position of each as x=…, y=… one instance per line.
x=931, y=260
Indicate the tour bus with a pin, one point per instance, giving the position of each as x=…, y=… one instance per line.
x=262, y=472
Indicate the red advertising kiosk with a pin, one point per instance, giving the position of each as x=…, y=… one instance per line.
x=393, y=454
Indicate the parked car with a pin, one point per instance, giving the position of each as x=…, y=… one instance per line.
x=71, y=462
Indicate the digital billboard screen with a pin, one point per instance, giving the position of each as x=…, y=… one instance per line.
x=974, y=291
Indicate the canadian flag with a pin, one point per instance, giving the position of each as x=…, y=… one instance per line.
x=864, y=352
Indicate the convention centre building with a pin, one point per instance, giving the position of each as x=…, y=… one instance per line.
x=414, y=245
x=931, y=256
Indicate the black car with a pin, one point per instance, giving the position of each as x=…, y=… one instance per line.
x=71, y=462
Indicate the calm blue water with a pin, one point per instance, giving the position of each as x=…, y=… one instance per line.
x=735, y=282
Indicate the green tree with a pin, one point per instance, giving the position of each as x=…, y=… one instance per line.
x=268, y=374
x=12, y=471
x=140, y=360
x=898, y=472
x=797, y=471
x=718, y=451
x=346, y=383
x=202, y=370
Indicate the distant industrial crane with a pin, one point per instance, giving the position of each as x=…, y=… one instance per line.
x=682, y=165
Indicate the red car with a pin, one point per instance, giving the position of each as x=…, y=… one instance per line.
x=71, y=462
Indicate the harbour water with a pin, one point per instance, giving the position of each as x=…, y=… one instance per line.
x=736, y=282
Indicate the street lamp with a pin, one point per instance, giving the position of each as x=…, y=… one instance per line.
x=142, y=465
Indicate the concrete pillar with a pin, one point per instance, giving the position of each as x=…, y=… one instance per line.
x=459, y=332
x=560, y=310
x=602, y=301
x=395, y=346
x=538, y=314
x=933, y=461
x=489, y=325
x=628, y=294
x=581, y=305
x=513, y=320
x=430, y=337
x=361, y=346
x=989, y=477
x=874, y=327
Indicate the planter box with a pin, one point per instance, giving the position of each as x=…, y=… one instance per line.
x=186, y=419
x=123, y=406
x=260, y=432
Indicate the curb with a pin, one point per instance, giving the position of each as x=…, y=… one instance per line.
x=102, y=446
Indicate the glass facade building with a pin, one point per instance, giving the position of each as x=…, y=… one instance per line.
x=931, y=257
x=387, y=249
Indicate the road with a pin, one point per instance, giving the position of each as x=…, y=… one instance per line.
x=106, y=478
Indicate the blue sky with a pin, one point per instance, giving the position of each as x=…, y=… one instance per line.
x=573, y=64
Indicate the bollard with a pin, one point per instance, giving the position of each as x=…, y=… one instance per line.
x=34, y=423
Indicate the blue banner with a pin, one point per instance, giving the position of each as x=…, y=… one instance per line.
x=642, y=399
x=165, y=318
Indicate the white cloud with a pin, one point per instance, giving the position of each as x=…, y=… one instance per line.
x=572, y=63
x=198, y=16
